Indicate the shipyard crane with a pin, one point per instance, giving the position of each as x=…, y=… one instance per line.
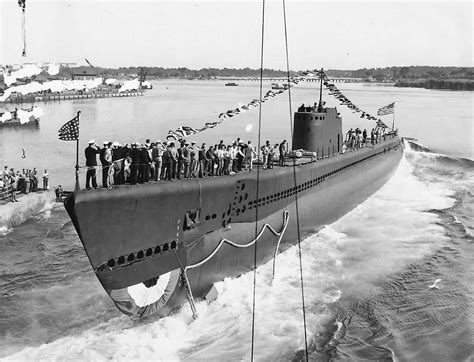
x=142, y=79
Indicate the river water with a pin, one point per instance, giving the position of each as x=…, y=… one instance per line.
x=367, y=276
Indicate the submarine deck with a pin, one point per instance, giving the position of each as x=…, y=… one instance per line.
x=289, y=162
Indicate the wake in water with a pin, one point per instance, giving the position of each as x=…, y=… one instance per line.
x=365, y=279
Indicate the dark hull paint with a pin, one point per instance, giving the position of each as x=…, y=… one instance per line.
x=134, y=220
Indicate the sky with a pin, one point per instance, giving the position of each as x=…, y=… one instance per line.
x=199, y=34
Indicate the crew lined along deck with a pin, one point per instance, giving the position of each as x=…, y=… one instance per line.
x=162, y=161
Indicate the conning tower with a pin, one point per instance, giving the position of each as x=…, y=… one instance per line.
x=318, y=128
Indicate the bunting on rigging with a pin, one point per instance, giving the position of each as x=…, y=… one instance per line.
x=344, y=101
x=185, y=131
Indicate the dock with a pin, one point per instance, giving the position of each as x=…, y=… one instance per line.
x=33, y=98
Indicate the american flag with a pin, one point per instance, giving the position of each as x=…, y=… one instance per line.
x=70, y=130
x=386, y=110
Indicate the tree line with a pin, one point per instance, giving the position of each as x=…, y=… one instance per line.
x=411, y=72
x=378, y=74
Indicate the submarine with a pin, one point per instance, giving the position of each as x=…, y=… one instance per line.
x=157, y=246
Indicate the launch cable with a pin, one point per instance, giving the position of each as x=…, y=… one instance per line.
x=258, y=180
x=295, y=184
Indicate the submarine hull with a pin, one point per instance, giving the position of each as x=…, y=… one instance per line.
x=154, y=246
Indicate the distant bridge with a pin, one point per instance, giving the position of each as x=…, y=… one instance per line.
x=283, y=80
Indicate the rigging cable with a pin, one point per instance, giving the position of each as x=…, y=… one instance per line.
x=22, y=5
x=258, y=179
x=295, y=184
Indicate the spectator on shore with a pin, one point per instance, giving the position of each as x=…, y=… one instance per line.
x=59, y=193
x=45, y=180
x=12, y=189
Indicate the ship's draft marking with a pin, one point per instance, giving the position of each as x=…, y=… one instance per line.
x=286, y=218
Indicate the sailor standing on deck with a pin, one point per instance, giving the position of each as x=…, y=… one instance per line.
x=174, y=160
x=283, y=148
x=202, y=161
x=157, y=156
x=183, y=160
x=194, y=154
x=250, y=154
x=349, y=135
x=91, y=152
x=103, y=162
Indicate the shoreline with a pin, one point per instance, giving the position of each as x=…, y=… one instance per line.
x=438, y=84
x=63, y=97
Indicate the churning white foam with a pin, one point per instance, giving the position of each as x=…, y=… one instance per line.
x=4, y=230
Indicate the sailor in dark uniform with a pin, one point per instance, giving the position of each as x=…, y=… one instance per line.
x=283, y=148
x=117, y=160
x=202, y=161
x=104, y=163
x=91, y=152
x=134, y=155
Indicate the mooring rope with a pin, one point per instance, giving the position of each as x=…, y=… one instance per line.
x=295, y=183
x=258, y=181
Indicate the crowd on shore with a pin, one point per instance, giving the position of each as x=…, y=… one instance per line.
x=155, y=161
x=24, y=181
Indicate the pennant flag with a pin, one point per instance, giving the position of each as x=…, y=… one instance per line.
x=188, y=130
x=70, y=130
x=386, y=110
x=172, y=135
x=381, y=124
x=180, y=132
x=211, y=124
